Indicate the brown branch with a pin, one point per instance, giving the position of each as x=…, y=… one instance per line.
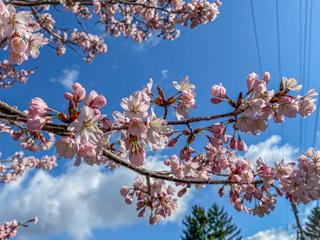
x=199, y=119
x=30, y=3
x=6, y=108
x=6, y=112
x=157, y=175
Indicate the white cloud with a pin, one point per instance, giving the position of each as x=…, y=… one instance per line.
x=165, y=73
x=272, y=234
x=68, y=77
x=153, y=41
x=75, y=203
x=270, y=150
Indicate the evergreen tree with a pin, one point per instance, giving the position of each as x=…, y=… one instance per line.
x=312, y=228
x=213, y=225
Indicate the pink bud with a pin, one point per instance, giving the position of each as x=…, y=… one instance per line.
x=107, y=124
x=221, y=191
x=141, y=213
x=182, y=192
x=79, y=92
x=216, y=100
x=266, y=77
x=99, y=102
x=124, y=191
x=251, y=79
x=218, y=91
x=68, y=96
x=128, y=199
x=242, y=146
x=172, y=142
x=233, y=143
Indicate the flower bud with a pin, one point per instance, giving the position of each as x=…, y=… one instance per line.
x=242, y=146
x=218, y=91
x=233, y=143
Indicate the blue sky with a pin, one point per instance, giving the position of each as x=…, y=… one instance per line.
x=223, y=51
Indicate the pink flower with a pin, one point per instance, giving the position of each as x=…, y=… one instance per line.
x=137, y=105
x=19, y=45
x=65, y=147
x=36, y=123
x=188, y=100
x=218, y=91
x=137, y=157
x=86, y=127
x=36, y=41
x=2, y=7
x=87, y=150
x=306, y=107
x=37, y=107
x=137, y=127
x=17, y=58
x=185, y=86
x=289, y=109
x=181, y=111
x=217, y=129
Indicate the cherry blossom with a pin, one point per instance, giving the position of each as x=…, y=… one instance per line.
x=24, y=31
x=87, y=136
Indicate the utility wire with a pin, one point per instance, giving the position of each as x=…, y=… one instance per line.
x=256, y=37
x=254, y=23
x=303, y=68
x=309, y=58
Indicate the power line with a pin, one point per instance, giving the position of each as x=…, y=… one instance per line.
x=309, y=44
x=278, y=34
x=279, y=57
x=303, y=65
x=309, y=55
x=258, y=46
x=256, y=36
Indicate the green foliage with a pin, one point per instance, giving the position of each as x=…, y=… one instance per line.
x=215, y=224
x=312, y=227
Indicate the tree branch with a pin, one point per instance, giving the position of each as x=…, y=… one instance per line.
x=31, y=3
x=157, y=175
x=12, y=114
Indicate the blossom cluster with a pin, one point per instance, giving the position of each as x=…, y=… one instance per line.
x=17, y=165
x=20, y=31
x=261, y=104
x=30, y=140
x=9, y=75
x=142, y=18
x=156, y=196
x=24, y=31
x=88, y=139
x=9, y=229
x=143, y=126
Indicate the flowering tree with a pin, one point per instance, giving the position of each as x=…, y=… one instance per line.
x=84, y=135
